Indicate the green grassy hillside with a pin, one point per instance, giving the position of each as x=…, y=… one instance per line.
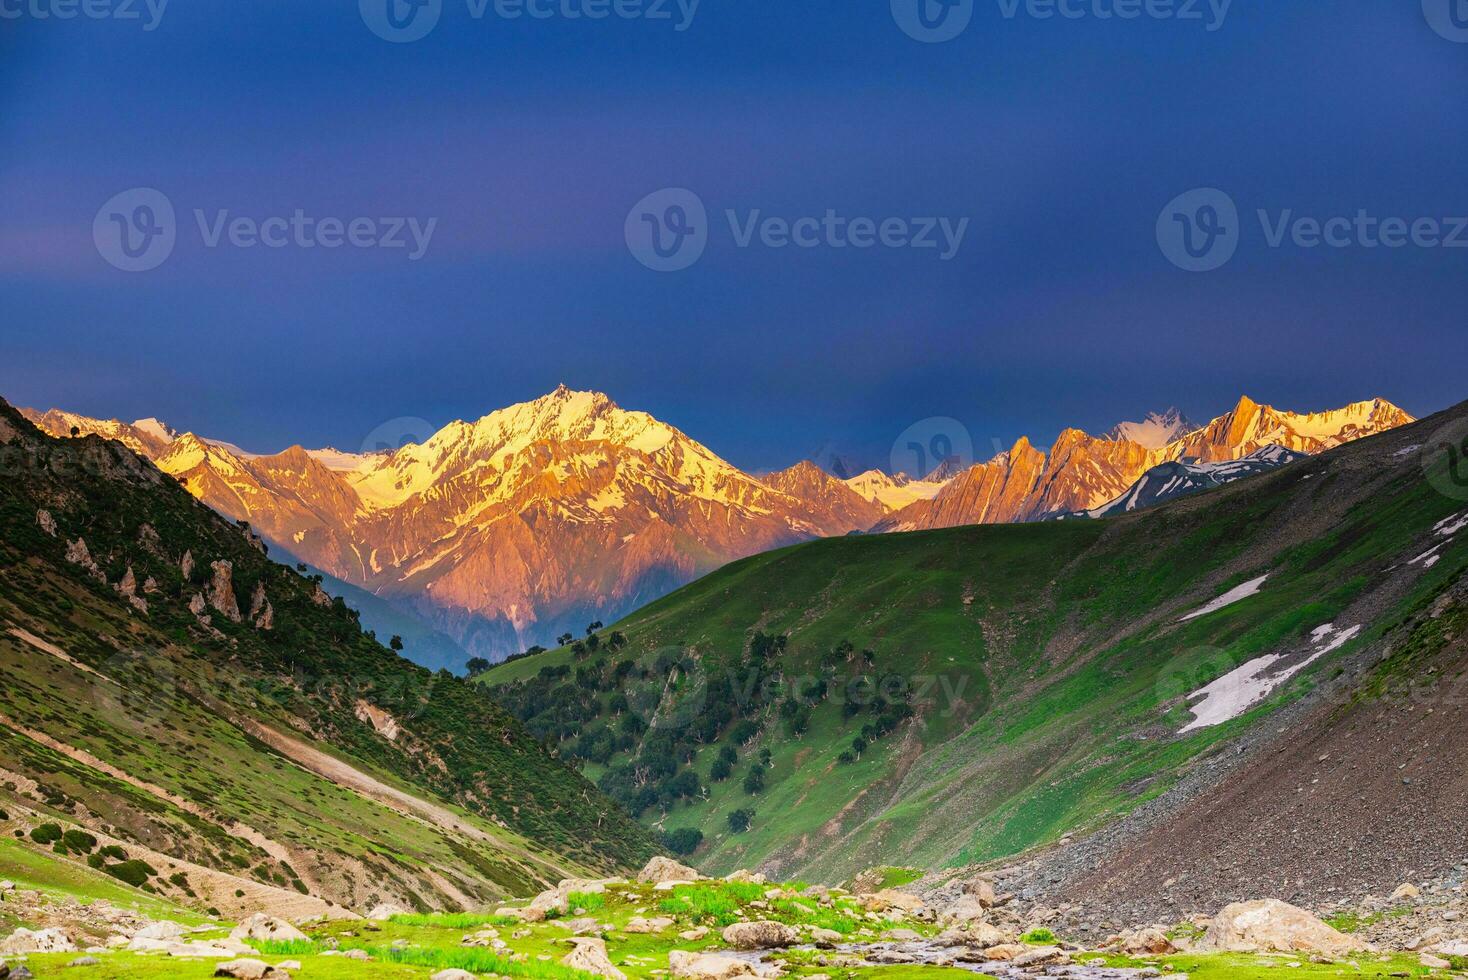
x=957, y=696
x=293, y=753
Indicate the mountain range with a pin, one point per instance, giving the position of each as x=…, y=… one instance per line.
x=538, y=518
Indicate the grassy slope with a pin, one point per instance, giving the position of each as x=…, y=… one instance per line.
x=1063, y=640
x=161, y=698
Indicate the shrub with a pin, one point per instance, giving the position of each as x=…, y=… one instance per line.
x=1043, y=936
x=684, y=840
x=79, y=841
x=739, y=820
x=114, y=852
x=46, y=833
x=135, y=873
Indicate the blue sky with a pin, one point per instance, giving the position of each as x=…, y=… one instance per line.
x=529, y=141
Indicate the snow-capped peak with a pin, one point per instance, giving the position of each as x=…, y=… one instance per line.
x=1155, y=431
x=157, y=429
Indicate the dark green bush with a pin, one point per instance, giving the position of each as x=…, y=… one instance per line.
x=46, y=833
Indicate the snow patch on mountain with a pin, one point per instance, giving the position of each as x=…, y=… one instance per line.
x=894, y=492
x=1155, y=431
x=1233, y=595
x=1245, y=686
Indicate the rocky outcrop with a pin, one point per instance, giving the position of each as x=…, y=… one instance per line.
x=661, y=869
x=46, y=522
x=127, y=587
x=186, y=566
x=77, y=554
x=590, y=956
x=262, y=614
x=1270, y=925
x=382, y=723
x=221, y=591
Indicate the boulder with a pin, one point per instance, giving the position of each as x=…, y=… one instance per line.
x=556, y=899
x=165, y=929
x=747, y=877
x=1005, y=951
x=23, y=941
x=1270, y=925
x=1142, y=941
x=825, y=937
x=1433, y=962
x=968, y=908
x=661, y=869
x=695, y=934
x=981, y=890
x=891, y=898
x=249, y=969
x=1040, y=956
x=760, y=935
x=590, y=956
x=85, y=961
x=266, y=927
x=454, y=974
x=707, y=966
x=640, y=925
x=1406, y=892
x=385, y=911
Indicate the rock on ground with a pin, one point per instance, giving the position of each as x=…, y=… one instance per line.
x=590, y=956
x=250, y=969
x=262, y=926
x=760, y=935
x=707, y=966
x=661, y=869
x=1270, y=925
x=23, y=941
